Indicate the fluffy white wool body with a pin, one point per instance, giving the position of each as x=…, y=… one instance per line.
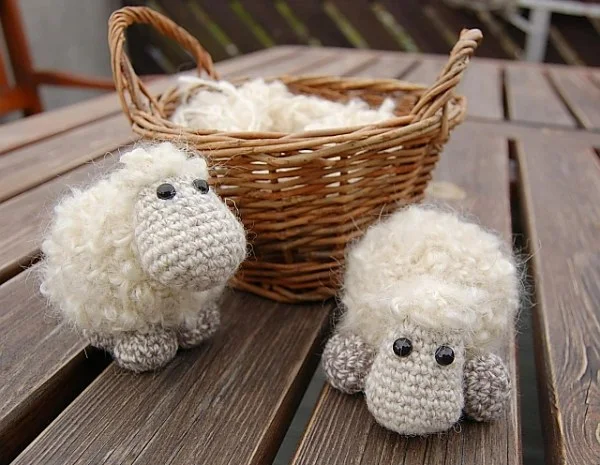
x=270, y=107
x=92, y=272
x=434, y=269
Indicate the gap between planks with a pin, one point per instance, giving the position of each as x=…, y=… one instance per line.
x=561, y=218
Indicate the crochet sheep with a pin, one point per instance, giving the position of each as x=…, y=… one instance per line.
x=138, y=260
x=428, y=297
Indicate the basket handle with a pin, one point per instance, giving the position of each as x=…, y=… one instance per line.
x=440, y=93
x=126, y=81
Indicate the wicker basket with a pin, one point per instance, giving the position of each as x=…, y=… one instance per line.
x=304, y=196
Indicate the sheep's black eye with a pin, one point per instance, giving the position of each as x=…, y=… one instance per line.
x=165, y=191
x=444, y=355
x=402, y=347
x=201, y=185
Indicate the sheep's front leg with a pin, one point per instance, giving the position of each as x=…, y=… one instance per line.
x=197, y=330
x=487, y=387
x=145, y=351
x=346, y=361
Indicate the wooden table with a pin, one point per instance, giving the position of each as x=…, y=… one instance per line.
x=525, y=162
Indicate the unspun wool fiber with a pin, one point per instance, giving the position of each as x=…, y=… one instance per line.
x=263, y=106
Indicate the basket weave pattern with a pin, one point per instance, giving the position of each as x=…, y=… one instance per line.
x=303, y=196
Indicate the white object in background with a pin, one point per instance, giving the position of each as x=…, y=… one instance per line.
x=538, y=26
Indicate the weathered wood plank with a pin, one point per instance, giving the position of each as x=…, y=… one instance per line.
x=531, y=99
x=561, y=202
x=347, y=63
x=482, y=85
x=341, y=430
x=66, y=151
x=227, y=402
x=580, y=93
x=42, y=365
x=27, y=215
x=30, y=166
x=17, y=134
x=304, y=60
x=387, y=65
x=426, y=71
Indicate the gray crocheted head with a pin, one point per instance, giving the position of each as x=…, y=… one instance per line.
x=185, y=235
x=428, y=298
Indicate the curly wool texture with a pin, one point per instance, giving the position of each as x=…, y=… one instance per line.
x=91, y=271
x=260, y=106
x=434, y=269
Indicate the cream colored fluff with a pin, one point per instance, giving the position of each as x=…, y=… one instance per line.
x=436, y=270
x=260, y=106
x=91, y=272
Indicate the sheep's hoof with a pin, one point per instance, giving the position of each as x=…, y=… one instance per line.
x=199, y=330
x=140, y=352
x=487, y=387
x=99, y=341
x=346, y=361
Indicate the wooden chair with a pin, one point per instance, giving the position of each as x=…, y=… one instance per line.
x=24, y=94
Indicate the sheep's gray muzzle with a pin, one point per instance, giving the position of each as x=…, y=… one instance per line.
x=415, y=394
x=191, y=241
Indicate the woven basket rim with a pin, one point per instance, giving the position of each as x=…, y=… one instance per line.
x=407, y=120
x=304, y=196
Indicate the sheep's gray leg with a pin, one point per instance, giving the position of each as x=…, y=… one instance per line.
x=101, y=341
x=487, y=387
x=196, y=331
x=346, y=361
x=137, y=351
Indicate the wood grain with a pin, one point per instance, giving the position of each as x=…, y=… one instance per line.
x=561, y=202
x=27, y=215
x=30, y=166
x=342, y=431
x=482, y=85
x=531, y=99
x=42, y=364
x=387, y=65
x=229, y=401
x=426, y=71
x=580, y=93
x=35, y=128
x=346, y=63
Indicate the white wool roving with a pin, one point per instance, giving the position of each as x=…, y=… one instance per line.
x=91, y=271
x=434, y=269
x=263, y=106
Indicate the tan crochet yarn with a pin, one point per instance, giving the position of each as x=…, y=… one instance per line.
x=427, y=295
x=415, y=394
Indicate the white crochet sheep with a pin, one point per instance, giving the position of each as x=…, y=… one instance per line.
x=427, y=298
x=138, y=260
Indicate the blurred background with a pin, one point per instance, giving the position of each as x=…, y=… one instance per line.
x=70, y=35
